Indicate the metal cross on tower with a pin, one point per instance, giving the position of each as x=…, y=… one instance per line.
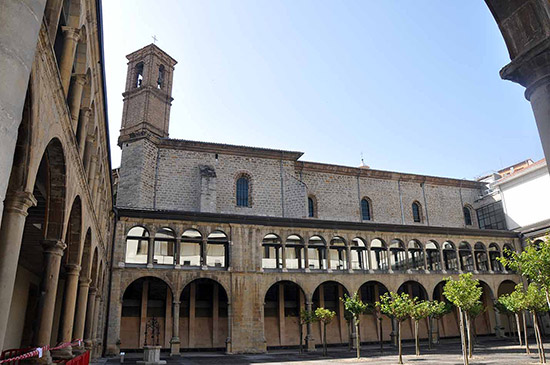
x=154, y=38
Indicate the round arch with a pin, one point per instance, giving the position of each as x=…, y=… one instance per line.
x=327, y=295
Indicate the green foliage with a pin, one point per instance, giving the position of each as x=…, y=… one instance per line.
x=464, y=292
x=439, y=309
x=476, y=310
x=324, y=315
x=307, y=316
x=398, y=306
x=513, y=302
x=354, y=305
x=535, y=299
x=421, y=310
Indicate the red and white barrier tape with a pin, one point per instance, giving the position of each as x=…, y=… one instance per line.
x=39, y=351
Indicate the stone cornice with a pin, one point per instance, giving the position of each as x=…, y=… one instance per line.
x=308, y=223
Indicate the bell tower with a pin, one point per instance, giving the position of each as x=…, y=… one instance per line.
x=148, y=94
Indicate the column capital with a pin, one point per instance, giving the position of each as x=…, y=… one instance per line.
x=19, y=202
x=72, y=269
x=81, y=79
x=84, y=282
x=86, y=111
x=71, y=33
x=53, y=246
x=93, y=290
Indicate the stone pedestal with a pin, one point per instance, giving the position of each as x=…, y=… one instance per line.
x=151, y=356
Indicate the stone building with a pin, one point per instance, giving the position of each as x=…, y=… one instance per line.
x=223, y=245
x=55, y=234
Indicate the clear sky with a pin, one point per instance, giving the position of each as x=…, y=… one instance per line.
x=414, y=86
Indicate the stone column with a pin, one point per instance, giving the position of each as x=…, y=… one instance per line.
x=53, y=251
x=71, y=288
x=20, y=22
x=11, y=234
x=81, y=306
x=228, y=348
x=92, y=173
x=88, y=339
x=51, y=15
x=70, y=40
x=97, y=311
x=175, y=341
x=75, y=99
x=310, y=343
x=86, y=114
x=150, y=252
x=442, y=260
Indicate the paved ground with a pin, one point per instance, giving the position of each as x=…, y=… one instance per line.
x=488, y=351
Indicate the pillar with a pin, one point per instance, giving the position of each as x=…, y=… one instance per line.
x=150, y=252
x=11, y=234
x=92, y=172
x=70, y=40
x=191, y=335
x=53, y=251
x=228, y=347
x=81, y=306
x=20, y=22
x=310, y=343
x=71, y=288
x=75, y=99
x=97, y=311
x=83, y=133
x=88, y=329
x=215, y=314
x=281, y=313
x=175, y=340
x=143, y=314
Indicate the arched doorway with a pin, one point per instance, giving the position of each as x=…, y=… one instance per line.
x=146, y=314
x=327, y=295
x=485, y=323
x=448, y=325
x=507, y=320
x=414, y=290
x=203, y=315
x=373, y=326
x=282, y=305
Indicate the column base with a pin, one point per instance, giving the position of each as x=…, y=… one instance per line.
x=46, y=359
x=175, y=346
x=63, y=354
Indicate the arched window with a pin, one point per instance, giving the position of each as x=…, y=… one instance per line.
x=365, y=209
x=449, y=256
x=397, y=255
x=139, y=75
x=294, y=252
x=465, y=255
x=481, y=257
x=337, y=254
x=190, y=249
x=359, y=259
x=311, y=207
x=416, y=211
x=137, y=245
x=467, y=216
x=217, y=245
x=243, y=192
x=494, y=253
x=432, y=256
x=160, y=80
x=316, y=252
x=379, y=255
x=165, y=242
x=416, y=255
x=272, y=258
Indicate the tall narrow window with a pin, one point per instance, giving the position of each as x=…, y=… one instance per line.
x=311, y=207
x=467, y=216
x=242, y=192
x=160, y=80
x=416, y=212
x=365, y=209
x=139, y=75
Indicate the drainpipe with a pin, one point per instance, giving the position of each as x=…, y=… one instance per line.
x=401, y=201
x=425, y=202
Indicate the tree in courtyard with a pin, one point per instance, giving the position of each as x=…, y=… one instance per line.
x=533, y=263
x=325, y=316
x=355, y=307
x=306, y=317
x=420, y=310
x=437, y=311
x=473, y=313
x=535, y=302
x=514, y=303
x=398, y=307
x=464, y=293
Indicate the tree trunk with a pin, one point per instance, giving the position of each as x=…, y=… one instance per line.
x=539, y=337
x=399, y=340
x=463, y=338
x=527, y=350
x=416, y=341
x=469, y=334
x=324, y=339
x=357, y=339
x=430, y=332
x=547, y=296
x=301, y=336
x=381, y=336
x=518, y=328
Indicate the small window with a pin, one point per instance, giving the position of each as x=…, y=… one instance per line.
x=365, y=209
x=160, y=80
x=310, y=207
x=467, y=216
x=242, y=192
x=139, y=75
x=416, y=212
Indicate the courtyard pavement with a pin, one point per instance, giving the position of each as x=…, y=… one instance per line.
x=488, y=351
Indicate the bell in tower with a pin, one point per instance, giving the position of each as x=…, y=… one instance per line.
x=148, y=95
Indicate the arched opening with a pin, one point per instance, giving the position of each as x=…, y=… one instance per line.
x=465, y=255
x=467, y=215
x=316, y=251
x=282, y=305
x=448, y=325
x=294, y=252
x=338, y=254
x=311, y=206
x=433, y=257
x=373, y=326
x=482, y=260
x=203, y=321
x=327, y=295
x=485, y=323
x=190, y=248
x=398, y=261
x=359, y=254
x=165, y=246
x=417, y=212
x=146, y=317
x=242, y=195
x=217, y=246
x=449, y=256
x=378, y=255
x=415, y=255
x=137, y=245
x=414, y=290
x=272, y=252
x=366, y=212
x=507, y=320
x=494, y=254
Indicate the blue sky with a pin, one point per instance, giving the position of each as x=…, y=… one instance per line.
x=412, y=85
